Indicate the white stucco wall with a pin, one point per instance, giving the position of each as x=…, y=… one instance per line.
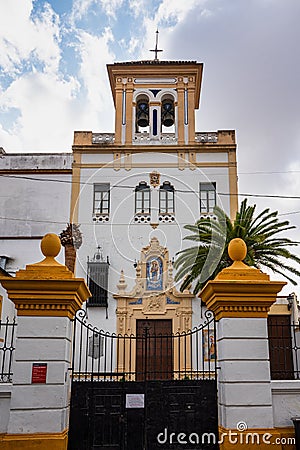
x=286, y=401
x=32, y=204
x=30, y=208
x=5, y=400
x=121, y=239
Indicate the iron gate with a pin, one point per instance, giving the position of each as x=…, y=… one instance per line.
x=143, y=392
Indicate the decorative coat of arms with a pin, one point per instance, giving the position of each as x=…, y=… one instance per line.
x=154, y=179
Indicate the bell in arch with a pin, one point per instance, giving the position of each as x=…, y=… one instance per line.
x=142, y=114
x=167, y=112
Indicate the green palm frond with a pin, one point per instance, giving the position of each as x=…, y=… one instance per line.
x=265, y=249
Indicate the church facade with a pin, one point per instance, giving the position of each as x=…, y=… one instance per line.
x=131, y=191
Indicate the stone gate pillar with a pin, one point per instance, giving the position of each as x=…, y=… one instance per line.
x=240, y=297
x=46, y=296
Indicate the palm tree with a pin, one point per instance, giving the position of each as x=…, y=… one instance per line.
x=204, y=261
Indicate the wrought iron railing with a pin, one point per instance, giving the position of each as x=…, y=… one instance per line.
x=164, y=138
x=104, y=356
x=7, y=348
x=284, y=351
x=103, y=138
x=206, y=138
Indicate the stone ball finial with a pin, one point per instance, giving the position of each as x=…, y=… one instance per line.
x=237, y=249
x=50, y=245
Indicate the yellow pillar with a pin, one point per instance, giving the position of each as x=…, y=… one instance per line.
x=118, y=115
x=240, y=297
x=191, y=113
x=46, y=296
x=180, y=93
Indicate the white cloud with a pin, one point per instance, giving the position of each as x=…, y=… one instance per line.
x=81, y=8
x=94, y=54
x=23, y=38
x=110, y=7
x=47, y=112
x=176, y=9
x=169, y=15
x=138, y=7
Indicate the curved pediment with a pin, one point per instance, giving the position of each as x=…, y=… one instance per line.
x=154, y=294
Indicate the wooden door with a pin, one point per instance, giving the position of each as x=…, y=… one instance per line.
x=154, y=350
x=280, y=347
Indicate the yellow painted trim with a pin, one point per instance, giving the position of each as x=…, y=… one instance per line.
x=38, y=441
x=180, y=113
x=75, y=190
x=195, y=147
x=247, y=298
x=191, y=114
x=233, y=184
x=239, y=440
x=157, y=165
x=153, y=306
x=83, y=138
x=129, y=113
x=131, y=71
x=118, y=113
x=38, y=297
x=127, y=161
x=278, y=309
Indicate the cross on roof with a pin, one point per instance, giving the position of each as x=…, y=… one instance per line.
x=156, y=50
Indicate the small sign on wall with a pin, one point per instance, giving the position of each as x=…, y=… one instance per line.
x=39, y=373
x=135, y=401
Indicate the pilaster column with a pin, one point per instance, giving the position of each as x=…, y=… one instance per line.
x=240, y=297
x=119, y=110
x=191, y=112
x=46, y=296
x=130, y=120
x=180, y=94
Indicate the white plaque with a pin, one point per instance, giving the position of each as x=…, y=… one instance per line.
x=135, y=400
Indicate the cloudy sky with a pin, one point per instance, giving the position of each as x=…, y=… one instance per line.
x=53, y=76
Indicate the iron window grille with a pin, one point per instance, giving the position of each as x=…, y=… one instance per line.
x=166, y=198
x=208, y=197
x=98, y=283
x=101, y=198
x=142, y=198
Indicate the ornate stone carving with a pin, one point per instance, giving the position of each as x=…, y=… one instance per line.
x=154, y=179
x=154, y=294
x=122, y=285
x=154, y=304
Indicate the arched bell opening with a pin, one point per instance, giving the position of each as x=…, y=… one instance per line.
x=168, y=114
x=142, y=121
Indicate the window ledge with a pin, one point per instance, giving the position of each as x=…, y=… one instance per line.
x=142, y=218
x=166, y=218
x=100, y=218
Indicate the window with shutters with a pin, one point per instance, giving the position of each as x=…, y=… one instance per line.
x=208, y=197
x=98, y=283
x=166, y=198
x=142, y=198
x=101, y=198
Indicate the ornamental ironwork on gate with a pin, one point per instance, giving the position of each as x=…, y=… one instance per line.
x=7, y=348
x=144, y=391
x=154, y=353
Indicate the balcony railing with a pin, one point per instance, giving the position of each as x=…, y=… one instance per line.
x=103, y=138
x=164, y=138
x=205, y=138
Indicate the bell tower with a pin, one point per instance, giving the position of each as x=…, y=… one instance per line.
x=155, y=101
